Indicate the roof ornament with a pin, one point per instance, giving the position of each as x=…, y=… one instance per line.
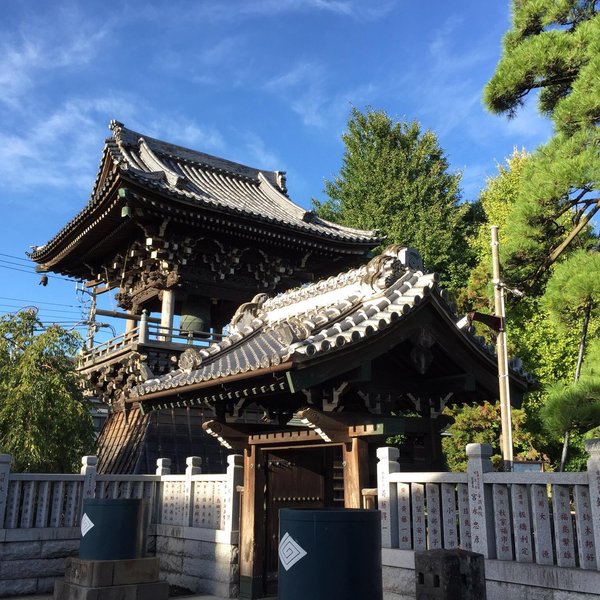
x=189, y=360
x=116, y=126
x=386, y=268
x=247, y=312
x=281, y=181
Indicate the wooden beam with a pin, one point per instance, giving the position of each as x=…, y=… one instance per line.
x=252, y=535
x=326, y=426
x=227, y=436
x=235, y=435
x=356, y=471
x=427, y=386
x=284, y=437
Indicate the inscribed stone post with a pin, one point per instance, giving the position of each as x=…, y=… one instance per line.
x=193, y=467
x=540, y=512
x=387, y=495
x=563, y=526
x=235, y=477
x=593, y=466
x=5, y=460
x=89, y=471
x=449, y=513
x=480, y=500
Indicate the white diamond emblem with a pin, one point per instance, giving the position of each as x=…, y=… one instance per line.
x=290, y=551
x=86, y=525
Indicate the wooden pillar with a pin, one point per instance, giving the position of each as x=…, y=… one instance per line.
x=252, y=535
x=356, y=471
x=167, y=312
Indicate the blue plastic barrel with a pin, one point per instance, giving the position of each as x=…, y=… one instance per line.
x=112, y=529
x=330, y=554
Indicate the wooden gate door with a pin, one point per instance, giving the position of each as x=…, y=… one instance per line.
x=297, y=478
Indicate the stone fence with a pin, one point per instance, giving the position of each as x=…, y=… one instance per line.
x=540, y=532
x=193, y=524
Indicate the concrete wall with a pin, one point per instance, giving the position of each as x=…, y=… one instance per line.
x=504, y=580
x=201, y=560
x=31, y=559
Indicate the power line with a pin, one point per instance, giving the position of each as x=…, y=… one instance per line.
x=47, y=310
x=28, y=260
x=12, y=262
x=39, y=302
x=38, y=274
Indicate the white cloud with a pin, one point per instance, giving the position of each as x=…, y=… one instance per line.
x=183, y=132
x=37, y=49
x=61, y=150
x=258, y=154
x=215, y=11
x=304, y=89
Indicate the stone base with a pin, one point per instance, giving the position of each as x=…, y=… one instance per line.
x=158, y=590
x=135, y=579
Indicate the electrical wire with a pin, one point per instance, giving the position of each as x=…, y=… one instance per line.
x=37, y=273
x=27, y=260
x=40, y=302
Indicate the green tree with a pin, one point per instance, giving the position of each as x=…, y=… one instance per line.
x=395, y=178
x=496, y=200
x=572, y=297
x=553, y=47
x=480, y=424
x=546, y=349
x=44, y=420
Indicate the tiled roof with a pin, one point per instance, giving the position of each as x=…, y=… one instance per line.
x=217, y=183
x=318, y=319
x=197, y=181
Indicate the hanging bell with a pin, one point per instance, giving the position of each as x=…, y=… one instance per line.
x=43, y=280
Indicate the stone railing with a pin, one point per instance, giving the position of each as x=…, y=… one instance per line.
x=30, y=500
x=545, y=518
x=190, y=514
x=539, y=532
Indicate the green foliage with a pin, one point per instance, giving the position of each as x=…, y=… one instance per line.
x=496, y=200
x=395, y=178
x=554, y=48
x=481, y=424
x=546, y=348
x=572, y=406
x=575, y=282
x=44, y=421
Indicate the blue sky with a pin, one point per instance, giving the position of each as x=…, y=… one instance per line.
x=268, y=83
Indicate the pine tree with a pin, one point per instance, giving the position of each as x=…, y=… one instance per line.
x=554, y=48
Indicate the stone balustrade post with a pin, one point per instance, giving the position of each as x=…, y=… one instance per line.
x=387, y=500
x=163, y=466
x=592, y=447
x=5, y=460
x=235, y=477
x=193, y=467
x=143, y=334
x=481, y=500
x=89, y=466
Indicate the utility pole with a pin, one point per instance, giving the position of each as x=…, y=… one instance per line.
x=501, y=351
x=91, y=324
